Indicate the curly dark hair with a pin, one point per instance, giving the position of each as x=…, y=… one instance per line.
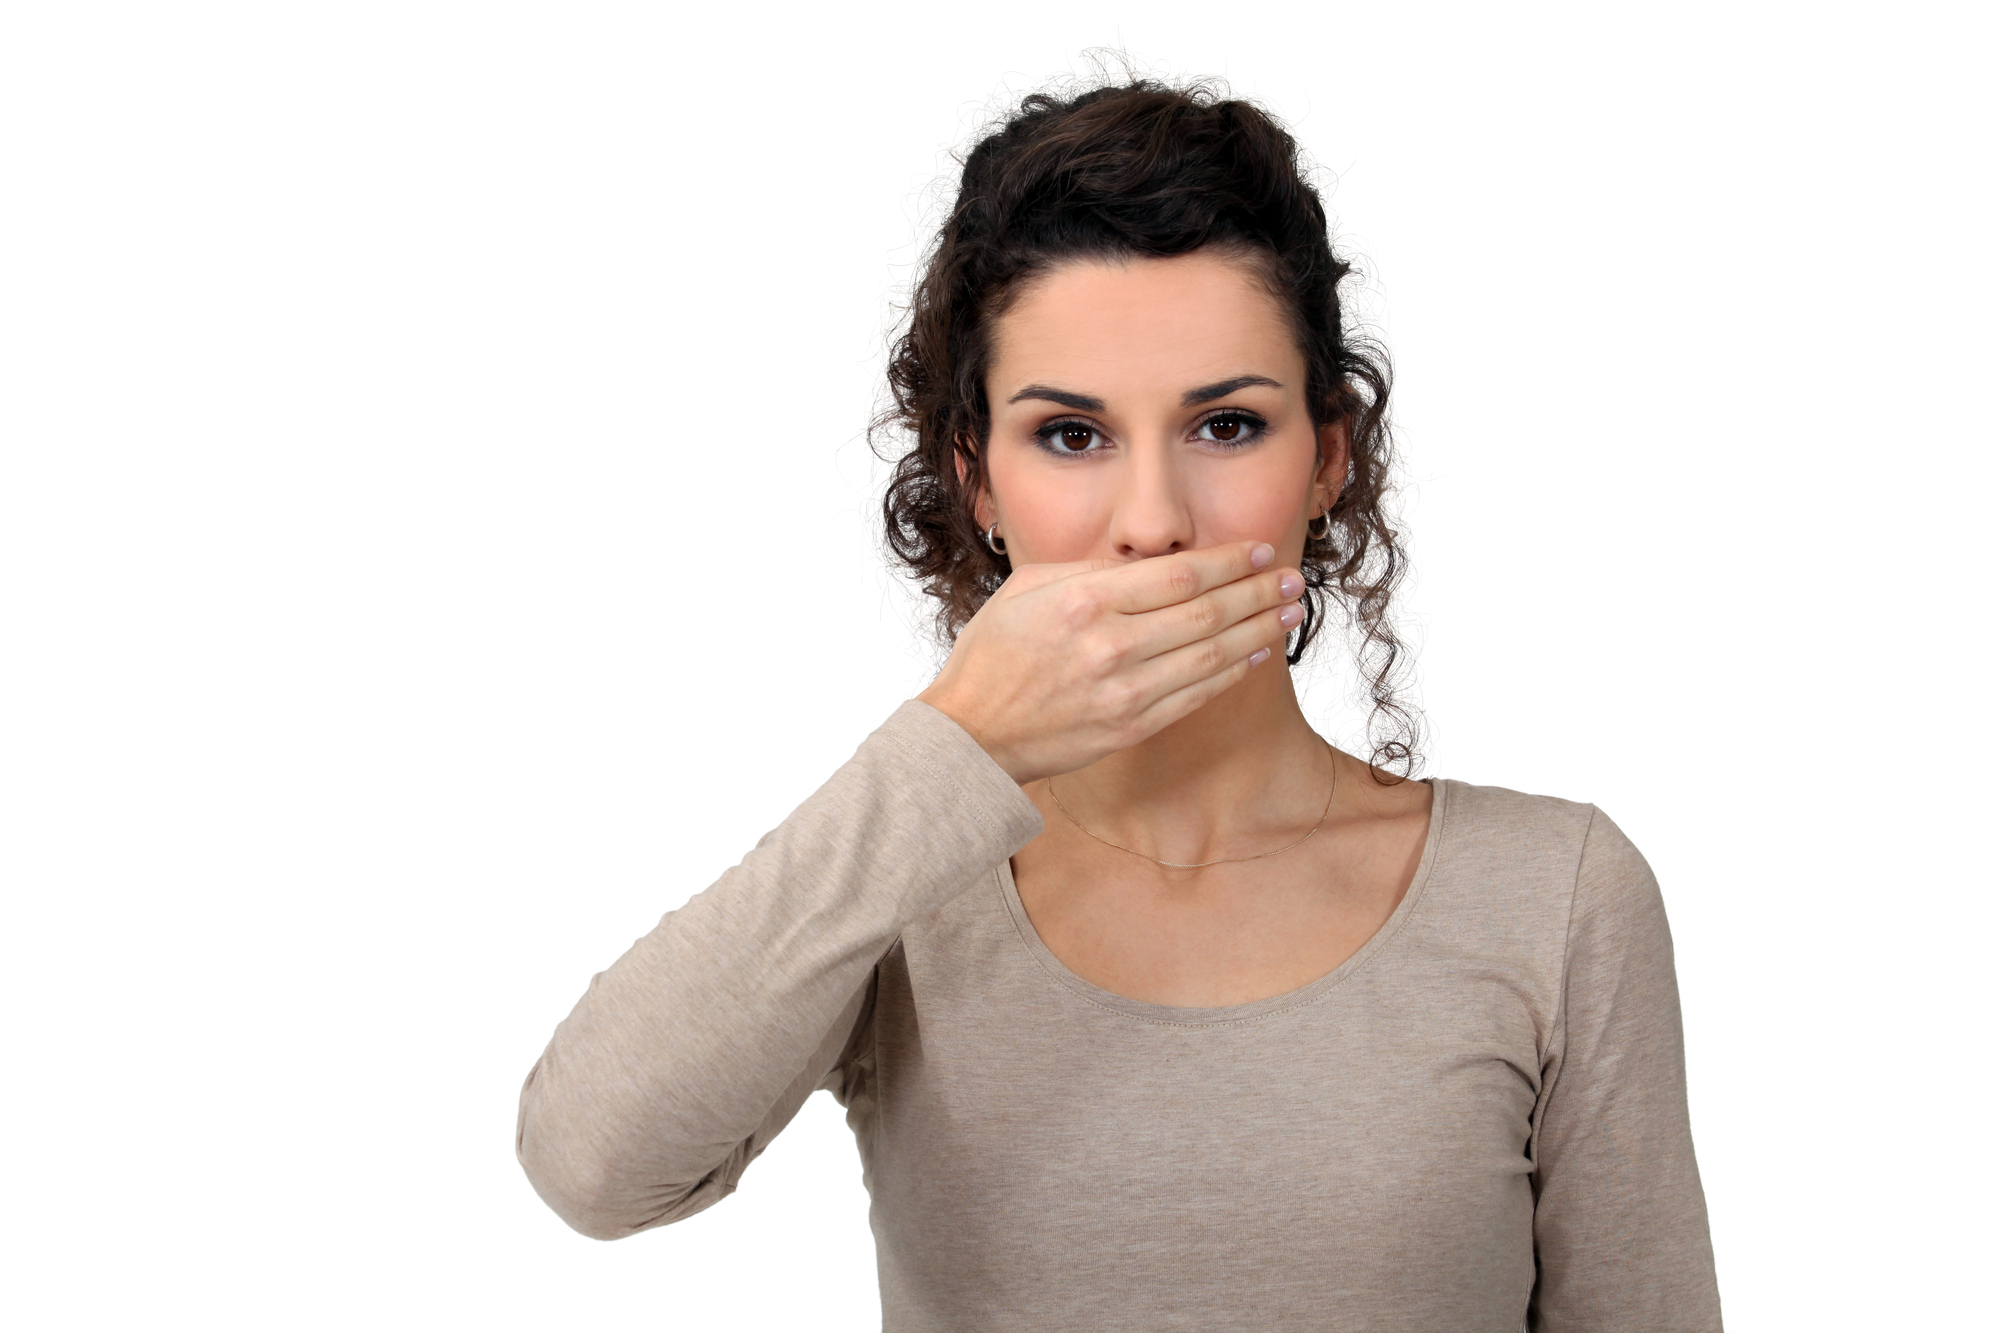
x=1134, y=169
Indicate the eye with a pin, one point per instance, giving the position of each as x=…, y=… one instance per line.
x=1069, y=437
x=1230, y=428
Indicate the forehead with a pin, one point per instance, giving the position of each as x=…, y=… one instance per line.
x=1142, y=324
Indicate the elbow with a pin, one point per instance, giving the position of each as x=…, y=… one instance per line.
x=574, y=1179
x=588, y=1197
x=593, y=1219
x=599, y=1191
x=587, y=1219
x=600, y=1199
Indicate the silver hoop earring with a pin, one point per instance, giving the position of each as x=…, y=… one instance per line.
x=997, y=545
x=1325, y=520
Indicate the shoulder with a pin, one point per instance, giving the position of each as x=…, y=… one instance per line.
x=1501, y=826
x=1575, y=852
x=1549, y=858
x=1548, y=886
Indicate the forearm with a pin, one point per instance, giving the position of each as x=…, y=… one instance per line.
x=679, y=1052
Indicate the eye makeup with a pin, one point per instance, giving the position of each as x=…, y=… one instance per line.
x=1231, y=428
x=1226, y=430
x=1068, y=437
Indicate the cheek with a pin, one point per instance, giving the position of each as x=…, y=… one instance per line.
x=1053, y=515
x=1261, y=497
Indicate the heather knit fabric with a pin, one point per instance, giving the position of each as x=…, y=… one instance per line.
x=1478, y=1121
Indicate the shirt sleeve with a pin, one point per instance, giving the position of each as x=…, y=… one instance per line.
x=687, y=1055
x=1621, y=1226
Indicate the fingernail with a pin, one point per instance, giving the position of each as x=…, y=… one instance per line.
x=1261, y=555
x=1259, y=656
x=1291, y=586
x=1291, y=615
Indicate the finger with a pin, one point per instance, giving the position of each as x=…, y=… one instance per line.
x=1148, y=585
x=1182, y=667
x=1174, y=706
x=1171, y=627
x=1026, y=578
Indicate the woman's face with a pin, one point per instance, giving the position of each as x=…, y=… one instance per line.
x=1151, y=406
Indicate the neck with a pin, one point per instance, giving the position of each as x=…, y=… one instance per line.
x=1232, y=778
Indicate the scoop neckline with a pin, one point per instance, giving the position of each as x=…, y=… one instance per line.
x=1199, y=1016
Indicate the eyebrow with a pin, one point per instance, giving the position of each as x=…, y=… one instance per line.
x=1083, y=402
x=1076, y=402
x=1208, y=393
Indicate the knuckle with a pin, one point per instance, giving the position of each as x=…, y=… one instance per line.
x=1121, y=697
x=1082, y=605
x=1101, y=656
x=1182, y=580
x=1210, y=657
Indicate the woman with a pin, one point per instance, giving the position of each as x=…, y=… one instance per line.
x=1150, y=1008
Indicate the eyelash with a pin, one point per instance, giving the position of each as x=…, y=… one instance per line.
x=1255, y=427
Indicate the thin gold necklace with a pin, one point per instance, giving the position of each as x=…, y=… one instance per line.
x=1226, y=860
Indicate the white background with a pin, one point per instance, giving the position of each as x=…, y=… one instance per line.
x=436, y=538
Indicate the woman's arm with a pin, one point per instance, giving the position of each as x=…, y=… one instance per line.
x=1621, y=1227
x=685, y=1057
x=689, y=1053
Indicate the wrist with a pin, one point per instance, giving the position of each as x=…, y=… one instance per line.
x=967, y=720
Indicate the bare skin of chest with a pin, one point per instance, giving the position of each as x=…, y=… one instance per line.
x=1228, y=934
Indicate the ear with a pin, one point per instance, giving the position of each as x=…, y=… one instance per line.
x=1330, y=477
x=982, y=500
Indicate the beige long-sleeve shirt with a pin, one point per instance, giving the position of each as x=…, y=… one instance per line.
x=1478, y=1120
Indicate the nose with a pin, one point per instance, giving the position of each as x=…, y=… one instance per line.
x=1150, y=515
